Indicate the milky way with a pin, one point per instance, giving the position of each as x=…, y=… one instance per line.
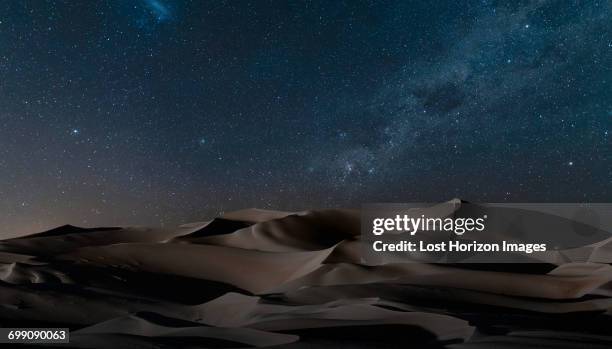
x=161, y=112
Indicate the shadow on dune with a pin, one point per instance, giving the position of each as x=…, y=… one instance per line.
x=264, y=278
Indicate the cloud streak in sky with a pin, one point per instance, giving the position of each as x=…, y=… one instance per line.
x=161, y=11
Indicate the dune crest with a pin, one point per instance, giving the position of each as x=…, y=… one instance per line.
x=263, y=278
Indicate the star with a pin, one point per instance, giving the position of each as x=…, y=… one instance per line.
x=123, y=114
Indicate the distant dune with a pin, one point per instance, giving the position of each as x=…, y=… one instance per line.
x=265, y=278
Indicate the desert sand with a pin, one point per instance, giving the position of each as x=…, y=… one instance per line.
x=257, y=278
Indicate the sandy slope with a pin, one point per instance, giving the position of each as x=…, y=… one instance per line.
x=263, y=278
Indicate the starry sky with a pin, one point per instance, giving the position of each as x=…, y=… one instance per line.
x=160, y=112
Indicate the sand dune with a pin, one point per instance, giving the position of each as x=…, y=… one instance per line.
x=266, y=278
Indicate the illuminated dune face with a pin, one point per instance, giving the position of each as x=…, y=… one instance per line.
x=261, y=278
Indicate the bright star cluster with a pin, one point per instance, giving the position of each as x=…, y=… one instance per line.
x=160, y=112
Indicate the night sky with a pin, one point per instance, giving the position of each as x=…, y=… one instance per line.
x=160, y=112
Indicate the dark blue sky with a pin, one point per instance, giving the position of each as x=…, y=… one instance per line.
x=165, y=111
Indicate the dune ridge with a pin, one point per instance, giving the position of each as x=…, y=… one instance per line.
x=267, y=278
